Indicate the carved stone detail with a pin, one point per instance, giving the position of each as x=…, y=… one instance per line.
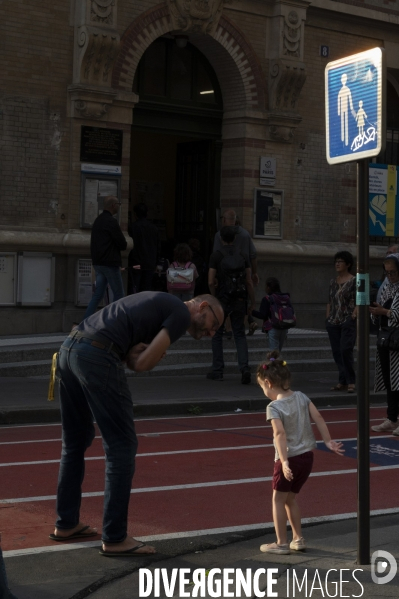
x=286, y=82
x=292, y=34
x=279, y=133
x=97, y=51
x=95, y=103
x=102, y=11
x=282, y=126
x=196, y=15
x=91, y=110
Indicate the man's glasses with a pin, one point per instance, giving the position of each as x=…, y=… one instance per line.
x=390, y=273
x=216, y=324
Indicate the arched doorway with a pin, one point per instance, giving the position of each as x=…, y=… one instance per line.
x=176, y=141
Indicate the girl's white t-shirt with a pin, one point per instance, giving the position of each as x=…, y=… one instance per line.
x=293, y=411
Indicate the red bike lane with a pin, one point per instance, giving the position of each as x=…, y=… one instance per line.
x=193, y=474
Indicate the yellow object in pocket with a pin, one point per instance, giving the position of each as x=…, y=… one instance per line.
x=50, y=396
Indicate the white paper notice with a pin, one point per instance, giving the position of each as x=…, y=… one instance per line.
x=107, y=188
x=378, y=180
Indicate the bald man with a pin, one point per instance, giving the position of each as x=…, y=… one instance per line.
x=136, y=330
x=107, y=242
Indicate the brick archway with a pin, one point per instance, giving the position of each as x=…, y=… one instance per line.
x=230, y=54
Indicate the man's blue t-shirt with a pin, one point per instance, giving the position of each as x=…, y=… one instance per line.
x=138, y=318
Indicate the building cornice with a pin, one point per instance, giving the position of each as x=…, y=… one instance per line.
x=383, y=15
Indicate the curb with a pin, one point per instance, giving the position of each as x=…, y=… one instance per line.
x=195, y=407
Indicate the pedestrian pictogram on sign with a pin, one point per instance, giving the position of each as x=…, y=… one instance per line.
x=355, y=106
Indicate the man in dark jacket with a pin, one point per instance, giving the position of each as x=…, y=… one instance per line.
x=107, y=242
x=144, y=255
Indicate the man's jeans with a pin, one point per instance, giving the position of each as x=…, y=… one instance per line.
x=277, y=338
x=93, y=386
x=105, y=274
x=237, y=316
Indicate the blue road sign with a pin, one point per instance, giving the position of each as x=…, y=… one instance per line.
x=355, y=106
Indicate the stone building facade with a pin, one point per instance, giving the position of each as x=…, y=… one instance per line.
x=102, y=63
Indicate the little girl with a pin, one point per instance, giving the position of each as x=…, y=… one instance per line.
x=289, y=412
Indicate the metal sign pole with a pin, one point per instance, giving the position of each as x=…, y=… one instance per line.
x=355, y=131
x=363, y=375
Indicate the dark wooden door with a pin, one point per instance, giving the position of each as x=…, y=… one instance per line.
x=197, y=191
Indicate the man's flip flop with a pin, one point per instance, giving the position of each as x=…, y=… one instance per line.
x=125, y=552
x=79, y=534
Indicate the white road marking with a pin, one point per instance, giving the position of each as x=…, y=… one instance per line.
x=144, y=455
x=176, y=452
x=187, y=431
x=156, y=419
x=193, y=533
x=202, y=485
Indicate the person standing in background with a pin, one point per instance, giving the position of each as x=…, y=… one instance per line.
x=393, y=249
x=235, y=292
x=144, y=255
x=244, y=244
x=341, y=320
x=107, y=242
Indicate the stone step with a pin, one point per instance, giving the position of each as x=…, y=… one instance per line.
x=31, y=352
x=256, y=355
x=28, y=354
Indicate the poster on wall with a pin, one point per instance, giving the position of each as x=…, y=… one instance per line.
x=268, y=207
x=95, y=187
x=383, y=200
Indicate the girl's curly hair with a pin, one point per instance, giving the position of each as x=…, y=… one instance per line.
x=275, y=370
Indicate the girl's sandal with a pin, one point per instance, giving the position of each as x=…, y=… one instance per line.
x=351, y=388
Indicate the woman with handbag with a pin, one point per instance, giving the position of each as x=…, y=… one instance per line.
x=387, y=358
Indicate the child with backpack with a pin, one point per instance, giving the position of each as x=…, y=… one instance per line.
x=182, y=273
x=277, y=314
x=290, y=413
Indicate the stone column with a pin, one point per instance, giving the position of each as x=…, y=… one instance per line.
x=91, y=99
x=287, y=72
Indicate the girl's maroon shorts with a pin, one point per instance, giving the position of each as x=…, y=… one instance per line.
x=301, y=466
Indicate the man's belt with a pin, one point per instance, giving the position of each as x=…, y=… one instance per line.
x=99, y=341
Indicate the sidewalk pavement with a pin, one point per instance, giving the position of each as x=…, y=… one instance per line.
x=62, y=573
x=330, y=558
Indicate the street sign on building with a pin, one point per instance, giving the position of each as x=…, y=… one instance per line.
x=355, y=106
x=267, y=170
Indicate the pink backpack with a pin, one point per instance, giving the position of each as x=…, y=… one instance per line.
x=180, y=278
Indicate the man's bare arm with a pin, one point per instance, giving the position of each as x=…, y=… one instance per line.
x=151, y=355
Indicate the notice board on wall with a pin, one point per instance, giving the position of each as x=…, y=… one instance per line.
x=268, y=213
x=95, y=187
